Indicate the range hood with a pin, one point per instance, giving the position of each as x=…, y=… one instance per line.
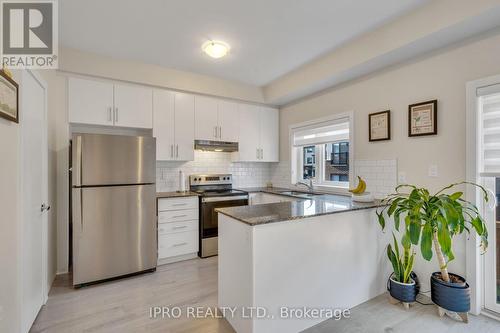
x=208, y=145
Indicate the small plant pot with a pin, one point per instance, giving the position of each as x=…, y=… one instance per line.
x=404, y=292
x=451, y=296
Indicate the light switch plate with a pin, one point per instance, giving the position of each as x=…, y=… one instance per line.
x=433, y=170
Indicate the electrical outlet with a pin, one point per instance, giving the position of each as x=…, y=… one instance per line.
x=402, y=177
x=433, y=170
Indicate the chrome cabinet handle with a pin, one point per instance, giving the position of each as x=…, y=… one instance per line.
x=110, y=116
x=220, y=132
x=180, y=244
x=261, y=153
x=257, y=153
x=178, y=216
x=116, y=115
x=179, y=204
x=171, y=150
x=180, y=227
x=176, y=150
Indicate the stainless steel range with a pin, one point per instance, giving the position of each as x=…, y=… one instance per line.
x=215, y=191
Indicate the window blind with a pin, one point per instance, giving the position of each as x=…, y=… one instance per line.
x=324, y=132
x=490, y=133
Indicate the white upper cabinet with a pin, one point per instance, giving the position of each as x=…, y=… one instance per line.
x=133, y=106
x=216, y=119
x=258, y=134
x=269, y=135
x=163, y=124
x=104, y=103
x=184, y=127
x=229, y=122
x=206, y=118
x=90, y=102
x=249, y=140
x=173, y=125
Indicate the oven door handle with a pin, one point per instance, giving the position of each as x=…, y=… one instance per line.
x=228, y=198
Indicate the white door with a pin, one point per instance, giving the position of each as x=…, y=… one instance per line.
x=229, y=121
x=249, y=141
x=34, y=194
x=163, y=124
x=269, y=135
x=90, y=102
x=133, y=106
x=206, y=118
x=184, y=126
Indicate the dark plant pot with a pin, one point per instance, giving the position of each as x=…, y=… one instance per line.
x=450, y=296
x=404, y=292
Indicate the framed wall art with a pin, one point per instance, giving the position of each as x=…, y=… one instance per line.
x=379, y=126
x=422, y=118
x=9, y=98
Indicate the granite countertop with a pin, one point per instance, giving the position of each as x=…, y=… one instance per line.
x=293, y=210
x=176, y=194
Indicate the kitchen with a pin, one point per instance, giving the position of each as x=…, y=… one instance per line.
x=203, y=173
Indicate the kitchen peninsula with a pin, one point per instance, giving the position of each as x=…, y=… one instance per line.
x=309, y=254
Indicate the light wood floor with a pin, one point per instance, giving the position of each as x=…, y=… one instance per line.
x=123, y=306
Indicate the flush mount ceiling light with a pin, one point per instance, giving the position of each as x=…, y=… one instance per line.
x=215, y=49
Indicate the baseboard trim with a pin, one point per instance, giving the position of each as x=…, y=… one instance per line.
x=183, y=257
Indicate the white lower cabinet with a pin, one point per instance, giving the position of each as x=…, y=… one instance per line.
x=177, y=229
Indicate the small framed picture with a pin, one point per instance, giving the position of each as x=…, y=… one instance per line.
x=422, y=118
x=379, y=125
x=9, y=98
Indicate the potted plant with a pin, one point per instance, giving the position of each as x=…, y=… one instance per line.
x=432, y=221
x=403, y=284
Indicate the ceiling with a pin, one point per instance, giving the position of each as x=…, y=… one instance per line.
x=268, y=38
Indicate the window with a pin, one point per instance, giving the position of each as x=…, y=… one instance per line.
x=322, y=151
x=309, y=165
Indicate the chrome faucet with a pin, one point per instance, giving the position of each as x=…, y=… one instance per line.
x=309, y=186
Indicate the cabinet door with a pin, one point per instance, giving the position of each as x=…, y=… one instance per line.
x=249, y=141
x=90, y=102
x=133, y=106
x=229, y=121
x=184, y=126
x=163, y=124
x=206, y=122
x=269, y=135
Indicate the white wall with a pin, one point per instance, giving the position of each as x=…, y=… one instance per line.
x=9, y=226
x=80, y=62
x=441, y=75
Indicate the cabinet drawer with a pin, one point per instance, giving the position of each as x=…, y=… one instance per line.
x=177, y=215
x=165, y=204
x=177, y=244
x=168, y=228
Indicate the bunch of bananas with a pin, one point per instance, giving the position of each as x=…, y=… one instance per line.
x=360, y=189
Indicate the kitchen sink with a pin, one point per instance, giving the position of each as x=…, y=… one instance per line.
x=298, y=194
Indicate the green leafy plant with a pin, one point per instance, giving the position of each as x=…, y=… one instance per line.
x=434, y=220
x=401, y=264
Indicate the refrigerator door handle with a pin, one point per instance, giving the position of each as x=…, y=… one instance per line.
x=78, y=209
x=78, y=164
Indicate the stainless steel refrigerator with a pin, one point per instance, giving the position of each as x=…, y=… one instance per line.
x=113, y=206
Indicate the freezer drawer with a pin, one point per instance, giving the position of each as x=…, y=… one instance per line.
x=100, y=159
x=114, y=231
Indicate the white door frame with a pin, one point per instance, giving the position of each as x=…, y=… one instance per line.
x=475, y=266
x=43, y=84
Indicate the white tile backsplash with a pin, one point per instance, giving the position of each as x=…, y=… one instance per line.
x=380, y=175
x=245, y=174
